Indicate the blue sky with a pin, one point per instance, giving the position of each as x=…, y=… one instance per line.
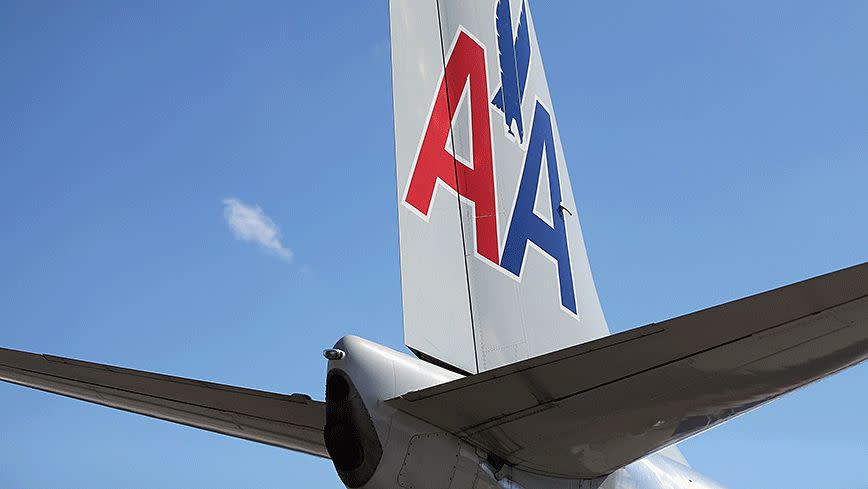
x=716, y=150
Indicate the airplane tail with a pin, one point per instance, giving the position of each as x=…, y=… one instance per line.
x=494, y=267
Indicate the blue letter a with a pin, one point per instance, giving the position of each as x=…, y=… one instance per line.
x=527, y=226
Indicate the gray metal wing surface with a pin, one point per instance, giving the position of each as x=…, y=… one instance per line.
x=588, y=410
x=293, y=421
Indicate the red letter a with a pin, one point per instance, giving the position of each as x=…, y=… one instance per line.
x=434, y=162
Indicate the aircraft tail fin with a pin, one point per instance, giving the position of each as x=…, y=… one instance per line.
x=494, y=267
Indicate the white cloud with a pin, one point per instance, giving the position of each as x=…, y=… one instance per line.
x=249, y=223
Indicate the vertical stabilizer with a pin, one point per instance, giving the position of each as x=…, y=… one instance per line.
x=493, y=262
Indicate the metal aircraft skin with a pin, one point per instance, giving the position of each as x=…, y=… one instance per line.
x=516, y=382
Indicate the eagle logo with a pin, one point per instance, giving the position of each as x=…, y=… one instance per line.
x=514, y=59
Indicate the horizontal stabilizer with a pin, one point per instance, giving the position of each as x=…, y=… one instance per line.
x=588, y=410
x=294, y=422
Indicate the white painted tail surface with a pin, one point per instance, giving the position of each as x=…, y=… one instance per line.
x=493, y=263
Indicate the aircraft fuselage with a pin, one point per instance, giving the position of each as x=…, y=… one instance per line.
x=390, y=449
